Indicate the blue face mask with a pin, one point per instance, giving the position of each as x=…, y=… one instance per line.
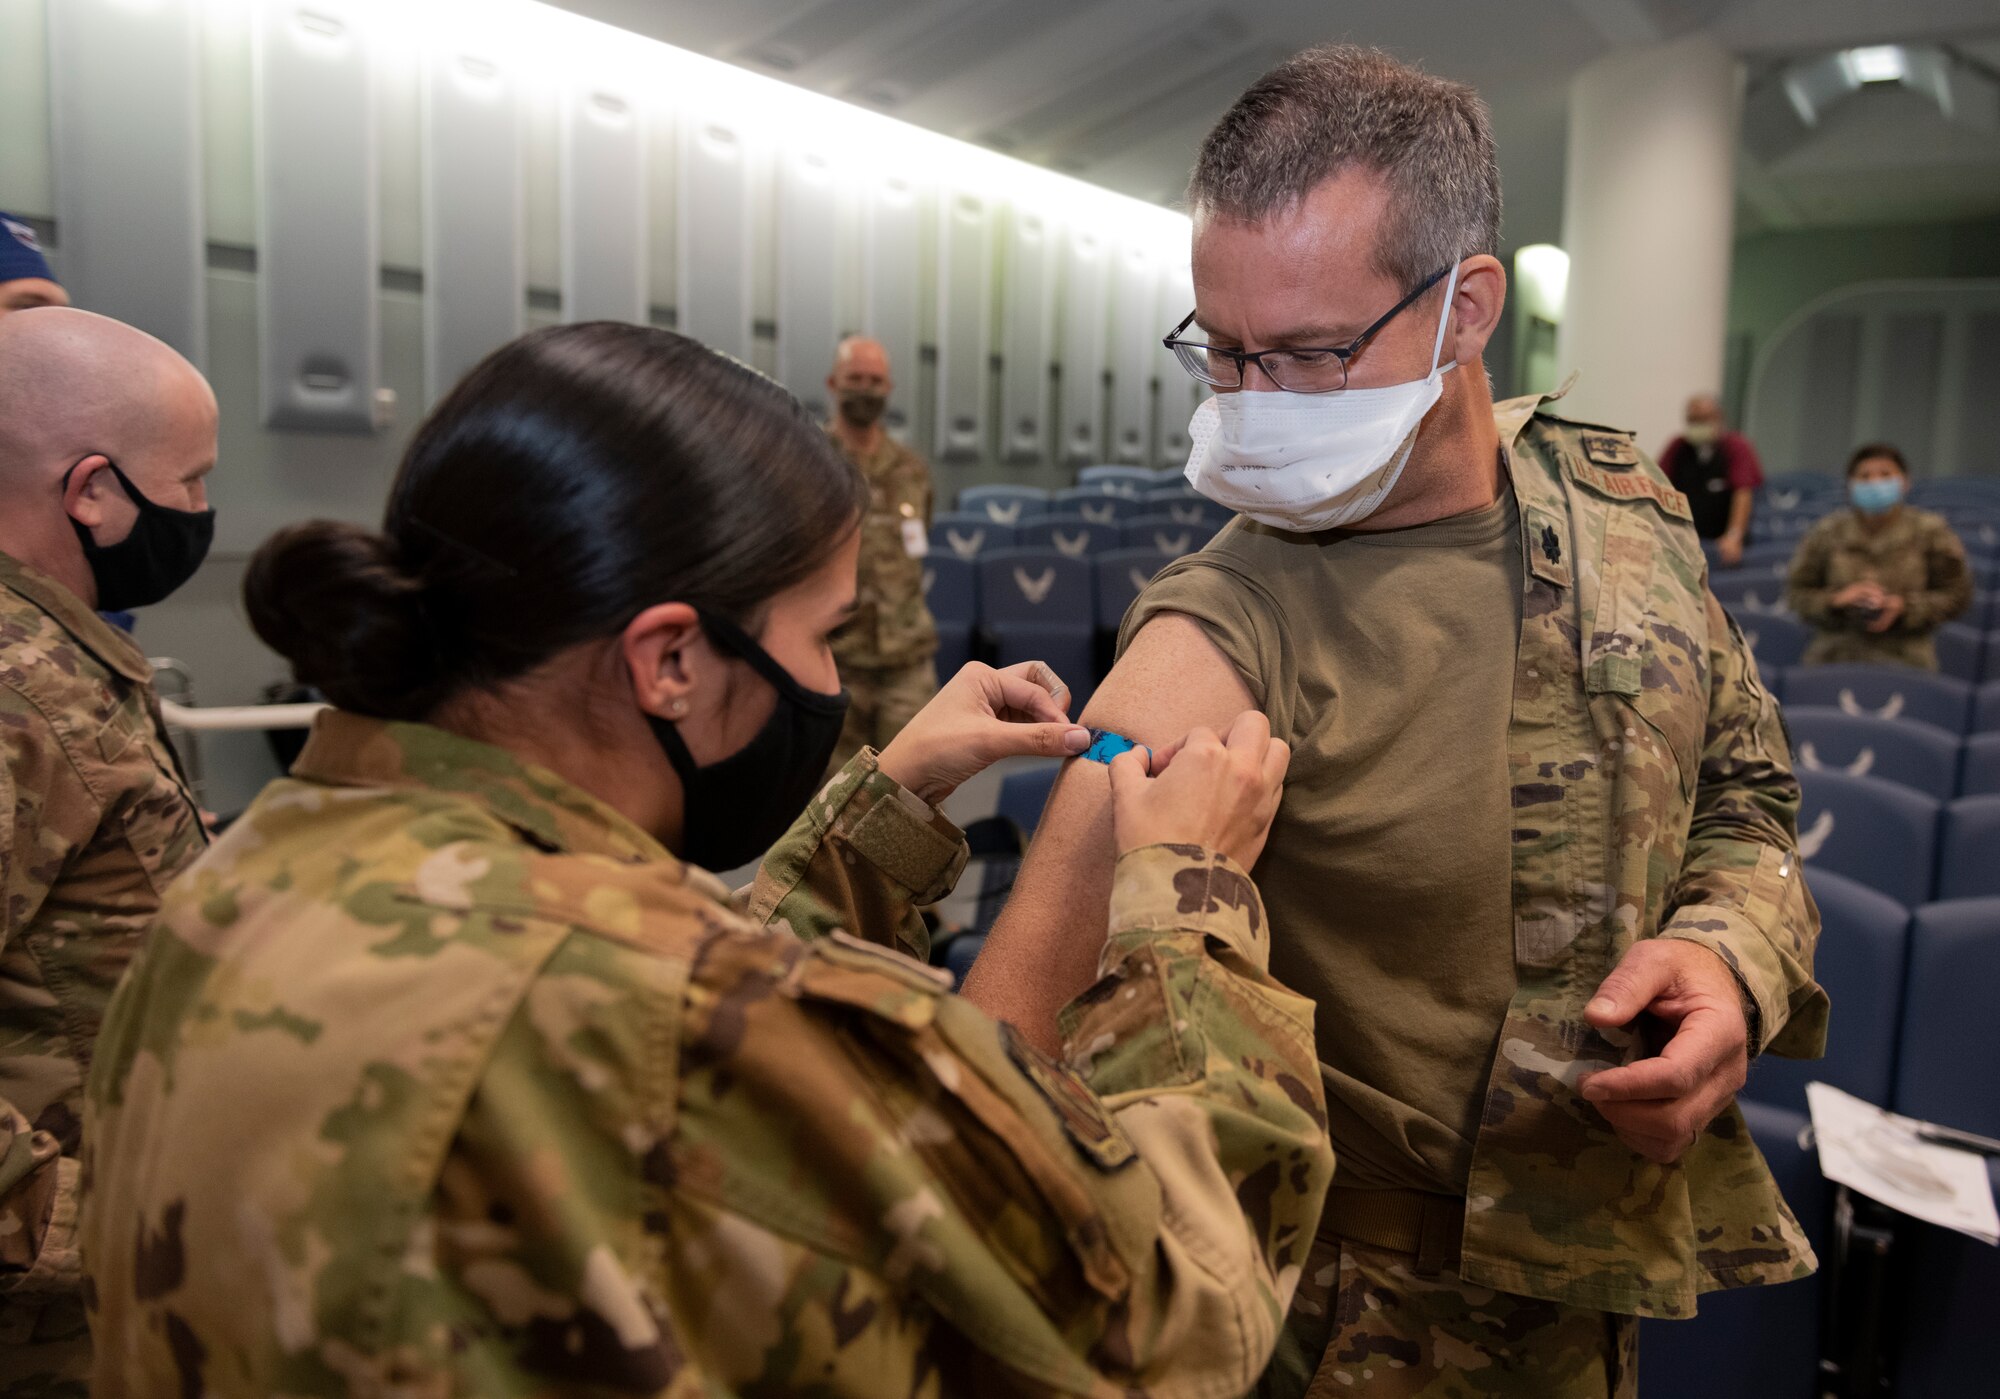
x=1876, y=497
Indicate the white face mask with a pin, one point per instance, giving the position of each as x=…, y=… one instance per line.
x=1307, y=462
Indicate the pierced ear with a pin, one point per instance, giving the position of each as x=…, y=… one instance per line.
x=665, y=658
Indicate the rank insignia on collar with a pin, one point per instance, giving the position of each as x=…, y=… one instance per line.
x=1552, y=547
x=1610, y=450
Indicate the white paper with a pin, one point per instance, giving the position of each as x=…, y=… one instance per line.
x=1880, y=1154
x=916, y=543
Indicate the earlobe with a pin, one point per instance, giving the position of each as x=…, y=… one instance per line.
x=658, y=649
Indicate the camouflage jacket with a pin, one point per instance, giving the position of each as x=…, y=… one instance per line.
x=1913, y=555
x=99, y=819
x=1653, y=796
x=892, y=625
x=440, y=1078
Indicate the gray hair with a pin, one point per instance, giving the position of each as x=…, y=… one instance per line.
x=1341, y=107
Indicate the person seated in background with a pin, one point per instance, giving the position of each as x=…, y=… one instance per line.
x=1878, y=579
x=26, y=280
x=106, y=436
x=888, y=649
x=1718, y=471
x=452, y=1069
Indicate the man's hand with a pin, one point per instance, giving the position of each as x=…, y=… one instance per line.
x=1866, y=593
x=1659, y=1105
x=1891, y=612
x=1729, y=548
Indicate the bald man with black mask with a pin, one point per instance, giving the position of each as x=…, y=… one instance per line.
x=106, y=438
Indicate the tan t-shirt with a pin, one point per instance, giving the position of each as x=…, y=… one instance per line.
x=1387, y=661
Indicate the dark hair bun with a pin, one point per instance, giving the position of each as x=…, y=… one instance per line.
x=332, y=599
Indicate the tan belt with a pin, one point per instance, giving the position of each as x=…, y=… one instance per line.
x=1429, y=1227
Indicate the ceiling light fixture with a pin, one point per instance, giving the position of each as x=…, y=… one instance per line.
x=1878, y=63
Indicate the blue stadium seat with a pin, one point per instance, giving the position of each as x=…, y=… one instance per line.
x=1167, y=536
x=1189, y=510
x=1120, y=480
x=1980, y=775
x=1887, y=692
x=1024, y=793
x=966, y=536
x=1745, y=594
x=1004, y=505
x=1961, y=651
x=1969, y=862
x=1986, y=709
x=1772, y=556
x=1920, y=756
x=1777, y=639
x=1752, y=1342
x=1991, y=669
x=1121, y=576
x=1944, y=1074
x=1173, y=490
x=951, y=588
x=1864, y=941
x=1039, y=605
x=1871, y=830
x=1098, y=506
x=1070, y=534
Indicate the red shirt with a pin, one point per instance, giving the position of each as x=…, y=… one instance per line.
x=1738, y=458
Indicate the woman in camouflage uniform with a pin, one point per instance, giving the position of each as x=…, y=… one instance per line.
x=450, y=1070
x=1879, y=579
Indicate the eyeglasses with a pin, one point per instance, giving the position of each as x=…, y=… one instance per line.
x=1306, y=370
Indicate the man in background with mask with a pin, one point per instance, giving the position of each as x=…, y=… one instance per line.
x=106, y=436
x=1718, y=471
x=1539, y=805
x=26, y=280
x=887, y=649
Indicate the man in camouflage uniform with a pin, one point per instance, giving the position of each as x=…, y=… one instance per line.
x=887, y=650
x=1536, y=862
x=440, y=1077
x=1877, y=588
x=99, y=813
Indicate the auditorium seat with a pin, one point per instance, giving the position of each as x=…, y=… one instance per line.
x=1121, y=576
x=1123, y=480
x=1192, y=510
x=1038, y=605
x=967, y=536
x=1986, y=708
x=1917, y=755
x=1877, y=832
x=1167, y=536
x=1969, y=859
x=1747, y=593
x=1886, y=692
x=1099, y=507
x=1752, y=1342
x=1961, y=651
x=1864, y=940
x=1069, y=534
x=951, y=588
x=1947, y=1316
x=1172, y=490
x=1023, y=794
x=1777, y=639
x=1004, y=505
x=1990, y=669
x=1979, y=775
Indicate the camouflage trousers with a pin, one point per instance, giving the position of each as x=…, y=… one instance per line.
x=882, y=701
x=1891, y=648
x=1364, y=1323
x=44, y=1350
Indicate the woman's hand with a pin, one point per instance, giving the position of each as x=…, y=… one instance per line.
x=1867, y=593
x=1213, y=792
x=1891, y=611
x=981, y=716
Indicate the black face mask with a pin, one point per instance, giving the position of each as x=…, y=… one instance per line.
x=862, y=409
x=734, y=810
x=162, y=552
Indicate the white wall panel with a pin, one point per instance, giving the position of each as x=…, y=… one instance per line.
x=603, y=203
x=1085, y=311
x=809, y=249
x=475, y=281
x=319, y=257
x=1027, y=335
x=716, y=238
x=1135, y=300
x=964, y=323
x=891, y=267
x=127, y=151
x=1180, y=392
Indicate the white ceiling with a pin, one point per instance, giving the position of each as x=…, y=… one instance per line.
x=1119, y=92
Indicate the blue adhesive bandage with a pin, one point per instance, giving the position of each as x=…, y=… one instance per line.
x=1106, y=745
